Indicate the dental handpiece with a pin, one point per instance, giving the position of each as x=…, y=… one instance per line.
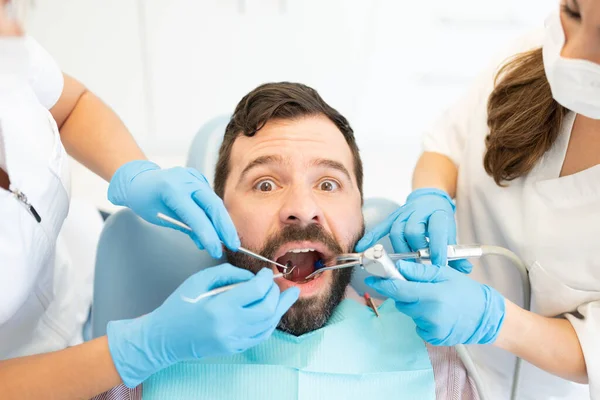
x=378, y=262
x=455, y=252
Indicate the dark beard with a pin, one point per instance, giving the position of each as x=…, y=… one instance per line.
x=306, y=315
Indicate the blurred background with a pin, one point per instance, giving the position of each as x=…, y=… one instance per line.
x=390, y=66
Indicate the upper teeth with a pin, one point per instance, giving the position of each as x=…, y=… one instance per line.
x=301, y=250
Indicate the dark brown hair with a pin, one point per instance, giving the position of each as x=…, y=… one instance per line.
x=523, y=118
x=285, y=101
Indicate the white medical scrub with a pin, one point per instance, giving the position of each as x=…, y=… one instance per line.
x=551, y=222
x=45, y=289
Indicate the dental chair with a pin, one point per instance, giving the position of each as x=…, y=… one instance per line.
x=139, y=265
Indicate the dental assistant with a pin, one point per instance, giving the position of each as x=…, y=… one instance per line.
x=520, y=154
x=42, y=110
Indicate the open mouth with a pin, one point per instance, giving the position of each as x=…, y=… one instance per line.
x=305, y=260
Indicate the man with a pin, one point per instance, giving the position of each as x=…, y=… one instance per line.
x=290, y=175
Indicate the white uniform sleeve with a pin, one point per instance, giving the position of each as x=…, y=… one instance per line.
x=44, y=74
x=14, y=59
x=587, y=326
x=14, y=62
x=468, y=116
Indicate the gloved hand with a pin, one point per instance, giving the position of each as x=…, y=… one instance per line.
x=427, y=213
x=181, y=193
x=448, y=307
x=223, y=324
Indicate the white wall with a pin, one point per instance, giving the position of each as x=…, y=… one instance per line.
x=391, y=66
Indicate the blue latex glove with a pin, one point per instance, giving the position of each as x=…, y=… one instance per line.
x=223, y=324
x=428, y=213
x=181, y=193
x=448, y=307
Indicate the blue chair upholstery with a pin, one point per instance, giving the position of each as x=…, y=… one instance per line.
x=204, y=150
x=138, y=264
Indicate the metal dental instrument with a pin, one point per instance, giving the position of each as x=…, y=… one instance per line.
x=374, y=260
x=371, y=303
x=286, y=269
x=219, y=290
x=377, y=261
x=240, y=249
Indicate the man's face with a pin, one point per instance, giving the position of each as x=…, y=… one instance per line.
x=292, y=196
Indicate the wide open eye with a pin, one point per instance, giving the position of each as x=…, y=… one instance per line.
x=265, y=185
x=329, y=185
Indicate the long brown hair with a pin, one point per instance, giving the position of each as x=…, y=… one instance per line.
x=523, y=118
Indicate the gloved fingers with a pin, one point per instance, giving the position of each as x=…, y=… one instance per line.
x=262, y=309
x=396, y=289
x=160, y=222
x=189, y=213
x=266, y=328
x=379, y=231
x=416, y=272
x=413, y=309
x=278, y=304
x=286, y=300
x=241, y=345
x=257, y=338
x=437, y=230
x=198, y=175
x=427, y=336
x=253, y=290
x=397, y=237
x=213, y=206
x=463, y=266
x=415, y=231
x=438, y=335
x=195, y=239
x=214, y=277
x=263, y=334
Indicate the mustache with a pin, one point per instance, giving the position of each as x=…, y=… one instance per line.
x=295, y=233
x=290, y=233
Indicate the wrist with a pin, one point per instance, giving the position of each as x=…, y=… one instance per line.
x=119, y=184
x=129, y=346
x=431, y=192
x=514, y=326
x=494, y=315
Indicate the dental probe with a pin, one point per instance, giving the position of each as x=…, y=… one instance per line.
x=219, y=290
x=240, y=249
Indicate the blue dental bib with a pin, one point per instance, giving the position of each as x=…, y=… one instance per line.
x=355, y=356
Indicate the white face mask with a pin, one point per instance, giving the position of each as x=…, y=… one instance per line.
x=16, y=10
x=575, y=84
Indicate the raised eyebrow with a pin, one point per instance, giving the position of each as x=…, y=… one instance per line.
x=323, y=162
x=262, y=160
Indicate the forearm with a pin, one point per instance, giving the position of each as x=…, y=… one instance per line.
x=95, y=136
x=91, y=132
x=79, y=372
x=548, y=343
x=435, y=170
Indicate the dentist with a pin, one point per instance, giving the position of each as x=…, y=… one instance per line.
x=44, y=115
x=520, y=154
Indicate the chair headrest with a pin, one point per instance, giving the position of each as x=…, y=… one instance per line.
x=204, y=150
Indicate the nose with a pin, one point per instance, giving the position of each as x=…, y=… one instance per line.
x=300, y=207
